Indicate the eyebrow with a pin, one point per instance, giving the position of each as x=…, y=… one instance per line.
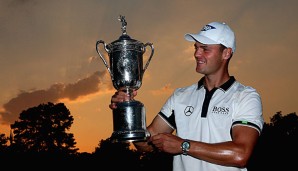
x=202, y=45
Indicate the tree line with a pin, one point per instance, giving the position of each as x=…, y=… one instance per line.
x=40, y=139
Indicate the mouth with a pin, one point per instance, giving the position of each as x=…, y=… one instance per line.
x=200, y=61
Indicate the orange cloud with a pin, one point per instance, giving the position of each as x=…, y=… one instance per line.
x=83, y=87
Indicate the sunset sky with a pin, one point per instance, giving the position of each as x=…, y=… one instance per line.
x=47, y=54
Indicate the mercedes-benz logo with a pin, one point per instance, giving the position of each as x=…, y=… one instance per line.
x=188, y=110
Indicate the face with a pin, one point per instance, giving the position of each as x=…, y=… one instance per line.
x=211, y=59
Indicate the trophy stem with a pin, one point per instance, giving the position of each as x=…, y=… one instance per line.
x=128, y=91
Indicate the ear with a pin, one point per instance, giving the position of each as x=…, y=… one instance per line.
x=227, y=53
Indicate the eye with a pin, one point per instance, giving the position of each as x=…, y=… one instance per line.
x=206, y=49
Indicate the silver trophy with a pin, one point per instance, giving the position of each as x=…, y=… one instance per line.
x=126, y=70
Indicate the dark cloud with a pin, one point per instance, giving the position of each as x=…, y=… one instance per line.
x=25, y=100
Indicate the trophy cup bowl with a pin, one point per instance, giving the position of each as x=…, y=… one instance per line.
x=126, y=71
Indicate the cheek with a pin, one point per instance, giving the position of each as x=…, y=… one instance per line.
x=215, y=64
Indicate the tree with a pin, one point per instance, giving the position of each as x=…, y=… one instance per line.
x=128, y=158
x=278, y=144
x=3, y=142
x=43, y=129
x=119, y=153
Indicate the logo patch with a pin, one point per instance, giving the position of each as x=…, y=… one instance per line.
x=188, y=110
x=207, y=27
x=221, y=110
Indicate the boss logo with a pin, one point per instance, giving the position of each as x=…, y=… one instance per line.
x=220, y=110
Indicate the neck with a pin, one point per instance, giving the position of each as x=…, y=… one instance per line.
x=212, y=81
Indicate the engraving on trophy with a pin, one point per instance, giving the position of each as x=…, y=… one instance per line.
x=126, y=69
x=125, y=66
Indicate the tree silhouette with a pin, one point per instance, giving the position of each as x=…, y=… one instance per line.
x=127, y=158
x=43, y=129
x=157, y=161
x=119, y=153
x=278, y=144
x=3, y=143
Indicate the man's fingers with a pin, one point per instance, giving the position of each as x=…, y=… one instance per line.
x=113, y=106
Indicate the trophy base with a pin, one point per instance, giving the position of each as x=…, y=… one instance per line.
x=129, y=122
x=131, y=136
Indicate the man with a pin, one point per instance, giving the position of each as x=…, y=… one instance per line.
x=217, y=120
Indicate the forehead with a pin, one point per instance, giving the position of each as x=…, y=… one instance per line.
x=198, y=44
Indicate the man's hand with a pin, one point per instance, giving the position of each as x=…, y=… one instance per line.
x=120, y=96
x=167, y=142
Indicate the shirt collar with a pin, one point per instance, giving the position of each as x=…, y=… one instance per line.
x=225, y=86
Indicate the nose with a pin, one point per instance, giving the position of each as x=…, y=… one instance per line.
x=198, y=52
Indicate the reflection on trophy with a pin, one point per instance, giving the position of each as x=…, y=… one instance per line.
x=126, y=71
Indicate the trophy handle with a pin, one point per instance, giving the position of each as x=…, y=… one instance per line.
x=150, y=57
x=101, y=56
